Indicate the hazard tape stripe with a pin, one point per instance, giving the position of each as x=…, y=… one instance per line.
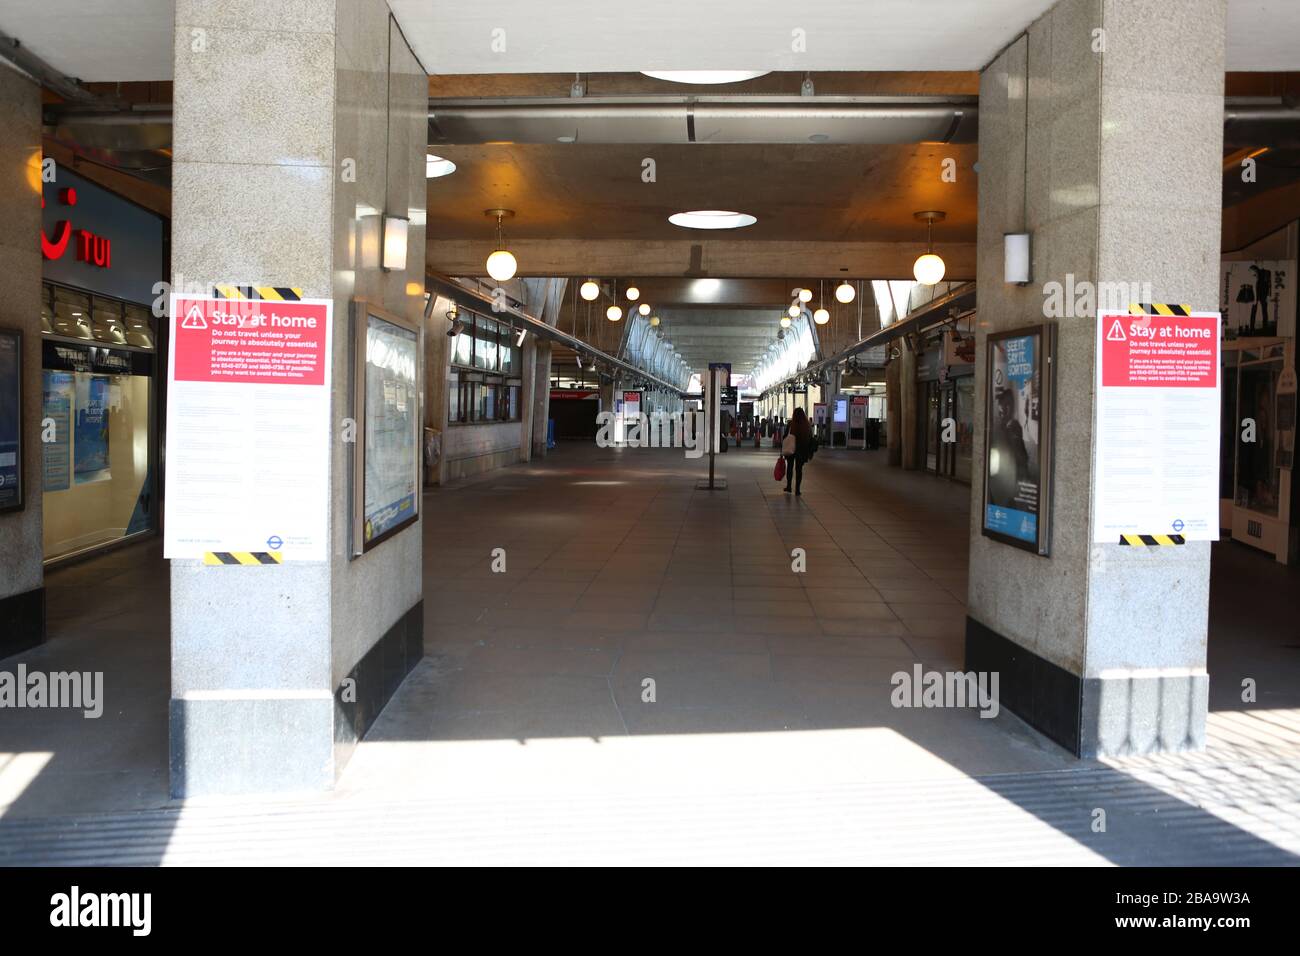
x=241, y=557
x=1151, y=540
x=274, y=293
x=1158, y=308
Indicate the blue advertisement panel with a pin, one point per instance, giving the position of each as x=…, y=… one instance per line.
x=56, y=412
x=1017, y=429
x=11, y=420
x=90, y=440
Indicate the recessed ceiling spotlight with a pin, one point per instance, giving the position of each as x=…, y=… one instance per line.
x=712, y=219
x=436, y=167
x=705, y=76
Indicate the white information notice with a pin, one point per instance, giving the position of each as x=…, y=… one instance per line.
x=248, y=427
x=1157, y=428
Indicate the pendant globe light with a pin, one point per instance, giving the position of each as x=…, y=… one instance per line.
x=929, y=268
x=644, y=308
x=501, y=265
x=821, y=316
x=632, y=293
x=614, y=313
x=844, y=292
x=590, y=290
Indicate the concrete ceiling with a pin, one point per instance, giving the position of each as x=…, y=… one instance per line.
x=127, y=40
x=799, y=193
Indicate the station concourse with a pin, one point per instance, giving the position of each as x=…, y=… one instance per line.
x=392, y=403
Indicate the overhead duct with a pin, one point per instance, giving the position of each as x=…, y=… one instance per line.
x=1248, y=121
x=1261, y=121
x=729, y=120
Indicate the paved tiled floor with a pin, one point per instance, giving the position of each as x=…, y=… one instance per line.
x=526, y=735
x=618, y=572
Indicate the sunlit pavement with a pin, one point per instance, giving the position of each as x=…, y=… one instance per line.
x=526, y=736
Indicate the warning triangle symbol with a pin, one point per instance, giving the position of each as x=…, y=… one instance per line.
x=1116, y=333
x=194, y=319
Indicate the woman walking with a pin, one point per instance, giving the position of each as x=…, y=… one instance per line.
x=797, y=448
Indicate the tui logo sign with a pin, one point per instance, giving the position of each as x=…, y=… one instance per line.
x=89, y=248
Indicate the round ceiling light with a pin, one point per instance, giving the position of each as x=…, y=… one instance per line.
x=928, y=269
x=644, y=308
x=821, y=316
x=844, y=292
x=793, y=311
x=632, y=293
x=590, y=290
x=613, y=313
x=805, y=295
x=654, y=320
x=712, y=219
x=435, y=167
x=785, y=321
x=705, y=76
x=501, y=265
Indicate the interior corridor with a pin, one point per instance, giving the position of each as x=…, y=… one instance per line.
x=524, y=736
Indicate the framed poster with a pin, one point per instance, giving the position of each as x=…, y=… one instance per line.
x=386, y=408
x=12, y=492
x=1018, y=437
x=248, y=428
x=1156, y=427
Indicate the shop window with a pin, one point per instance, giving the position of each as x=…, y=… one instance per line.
x=71, y=314
x=139, y=328
x=106, y=323
x=97, y=390
x=485, y=344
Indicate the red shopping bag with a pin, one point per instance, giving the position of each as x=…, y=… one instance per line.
x=779, y=471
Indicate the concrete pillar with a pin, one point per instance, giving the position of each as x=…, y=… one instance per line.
x=22, y=577
x=291, y=121
x=1099, y=646
x=908, y=447
x=541, y=397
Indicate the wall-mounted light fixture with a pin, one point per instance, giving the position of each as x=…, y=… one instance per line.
x=1015, y=258
x=395, y=231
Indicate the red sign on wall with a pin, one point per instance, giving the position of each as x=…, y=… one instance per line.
x=251, y=341
x=1159, y=351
